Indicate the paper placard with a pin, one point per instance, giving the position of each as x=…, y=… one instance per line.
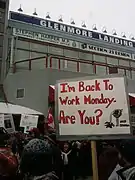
x=1, y=120
x=28, y=121
x=9, y=123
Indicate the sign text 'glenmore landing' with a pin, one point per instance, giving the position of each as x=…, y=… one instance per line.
x=70, y=29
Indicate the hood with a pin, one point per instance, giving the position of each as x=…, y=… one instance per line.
x=127, y=173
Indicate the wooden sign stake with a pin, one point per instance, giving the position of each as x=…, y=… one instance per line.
x=94, y=160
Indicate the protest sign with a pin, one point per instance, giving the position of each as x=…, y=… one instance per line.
x=28, y=121
x=1, y=120
x=92, y=107
x=9, y=123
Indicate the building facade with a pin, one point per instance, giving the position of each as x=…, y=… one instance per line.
x=4, y=5
x=43, y=51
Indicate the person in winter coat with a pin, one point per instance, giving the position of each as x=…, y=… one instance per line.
x=37, y=161
x=114, y=175
x=108, y=160
x=57, y=159
x=126, y=161
x=8, y=161
x=69, y=155
x=85, y=160
x=8, y=164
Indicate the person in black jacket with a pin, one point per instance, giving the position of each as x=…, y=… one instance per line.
x=57, y=159
x=69, y=157
x=85, y=160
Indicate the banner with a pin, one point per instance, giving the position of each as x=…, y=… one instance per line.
x=92, y=107
x=28, y=121
x=61, y=27
x=70, y=43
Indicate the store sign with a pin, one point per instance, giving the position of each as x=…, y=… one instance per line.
x=45, y=37
x=92, y=107
x=70, y=43
x=70, y=29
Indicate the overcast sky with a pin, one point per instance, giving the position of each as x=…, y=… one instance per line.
x=113, y=14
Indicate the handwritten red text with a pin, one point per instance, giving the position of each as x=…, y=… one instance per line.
x=84, y=119
x=99, y=100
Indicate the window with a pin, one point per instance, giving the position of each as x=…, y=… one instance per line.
x=124, y=62
x=85, y=56
x=112, y=70
x=55, y=63
x=112, y=61
x=2, y=17
x=36, y=55
x=100, y=70
x=39, y=63
x=128, y=74
x=2, y=5
x=72, y=54
x=132, y=63
x=86, y=68
x=121, y=71
x=1, y=40
x=99, y=58
x=1, y=28
x=22, y=44
x=70, y=66
x=20, y=93
x=133, y=75
x=38, y=47
x=1, y=51
x=55, y=50
x=63, y=64
x=22, y=55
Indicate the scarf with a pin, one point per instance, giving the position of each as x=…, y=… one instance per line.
x=65, y=157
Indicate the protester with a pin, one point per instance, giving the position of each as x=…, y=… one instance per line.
x=108, y=160
x=37, y=161
x=45, y=158
x=69, y=155
x=34, y=133
x=126, y=166
x=114, y=175
x=8, y=161
x=85, y=160
x=57, y=159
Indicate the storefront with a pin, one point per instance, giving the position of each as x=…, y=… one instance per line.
x=54, y=50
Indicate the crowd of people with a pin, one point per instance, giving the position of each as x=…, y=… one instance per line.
x=34, y=156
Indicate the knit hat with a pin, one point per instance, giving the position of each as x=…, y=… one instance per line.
x=127, y=150
x=36, y=158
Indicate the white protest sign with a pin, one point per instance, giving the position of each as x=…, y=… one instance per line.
x=9, y=123
x=28, y=121
x=92, y=107
x=133, y=120
x=1, y=120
